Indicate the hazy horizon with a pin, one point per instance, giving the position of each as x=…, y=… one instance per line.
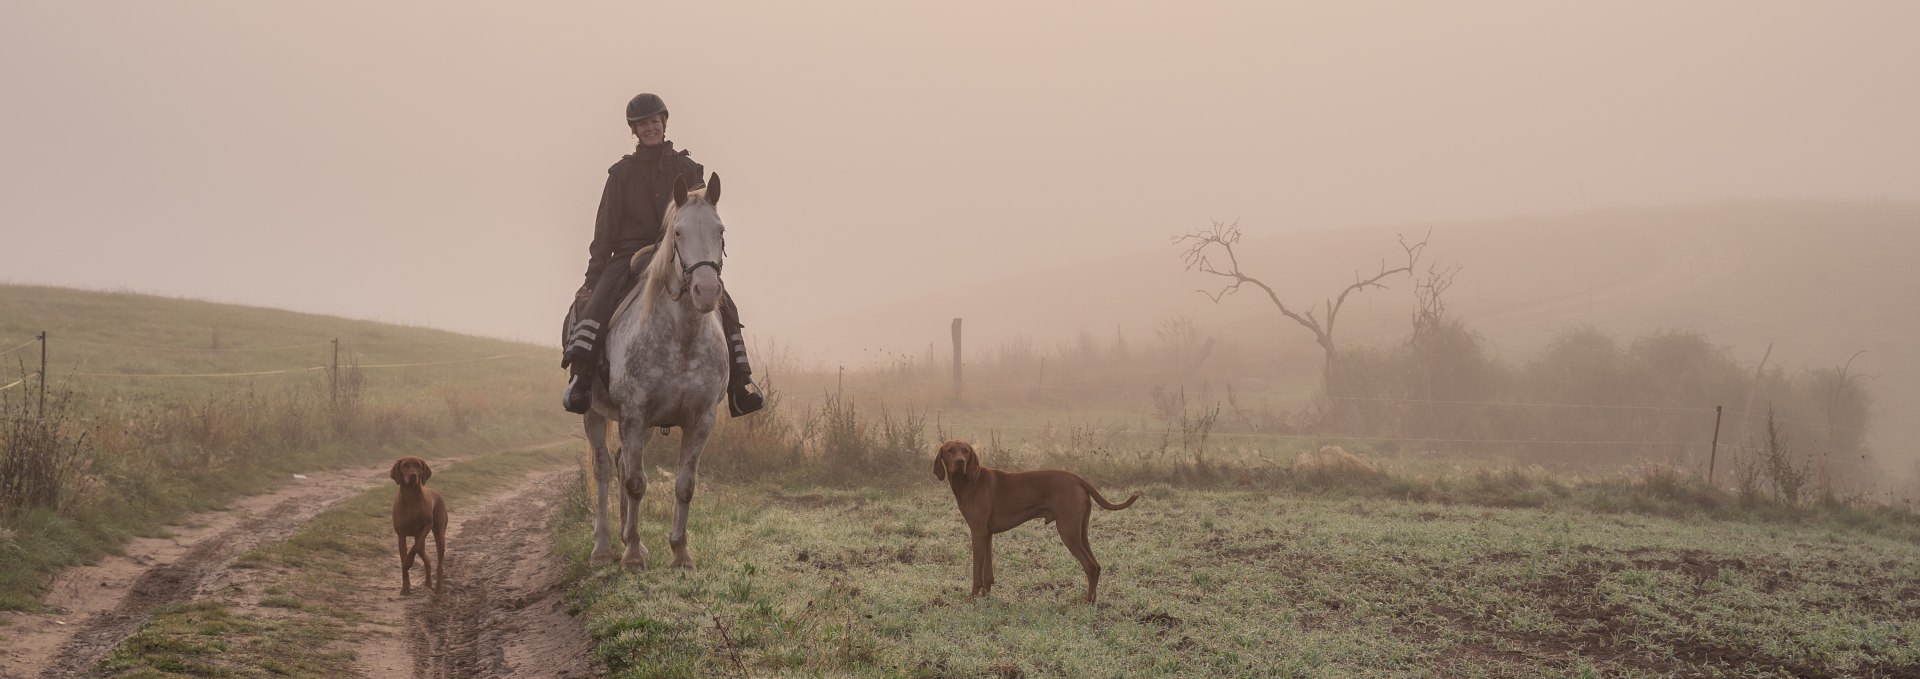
x=439, y=165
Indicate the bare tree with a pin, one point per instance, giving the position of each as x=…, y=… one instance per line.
x=1219, y=240
x=1842, y=390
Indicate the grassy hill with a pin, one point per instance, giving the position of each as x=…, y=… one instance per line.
x=101, y=343
x=159, y=406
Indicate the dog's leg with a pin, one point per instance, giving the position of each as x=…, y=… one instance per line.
x=987, y=573
x=406, y=563
x=692, y=441
x=1074, y=533
x=596, y=430
x=982, y=563
x=420, y=548
x=439, y=555
x=978, y=561
x=633, y=487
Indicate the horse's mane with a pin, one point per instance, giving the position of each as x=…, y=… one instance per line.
x=662, y=269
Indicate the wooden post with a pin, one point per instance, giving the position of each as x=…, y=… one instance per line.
x=43, y=375
x=840, y=387
x=333, y=374
x=1714, y=453
x=957, y=381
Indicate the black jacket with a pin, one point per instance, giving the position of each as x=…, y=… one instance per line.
x=636, y=197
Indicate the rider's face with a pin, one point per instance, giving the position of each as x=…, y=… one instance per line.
x=651, y=130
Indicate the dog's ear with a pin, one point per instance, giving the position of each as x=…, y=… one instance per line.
x=940, y=465
x=426, y=472
x=396, y=469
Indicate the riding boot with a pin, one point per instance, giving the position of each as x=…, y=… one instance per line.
x=582, y=357
x=743, y=396
x=588, y=334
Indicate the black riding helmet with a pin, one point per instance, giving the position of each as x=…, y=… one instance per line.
x=645, y=104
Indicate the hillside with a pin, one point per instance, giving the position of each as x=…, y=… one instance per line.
x=119, y=345
x=157, y=407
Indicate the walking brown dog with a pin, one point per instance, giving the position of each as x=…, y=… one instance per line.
x=418, y=510
x=994, y=501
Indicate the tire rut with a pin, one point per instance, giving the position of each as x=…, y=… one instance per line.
x=501, y=612
x=197, y=569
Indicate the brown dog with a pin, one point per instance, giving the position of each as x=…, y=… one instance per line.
x=416, y=511
x=994, y=501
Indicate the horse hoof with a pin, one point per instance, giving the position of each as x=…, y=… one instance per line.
x=684, y=563
x=600, y=558
x=634, y=565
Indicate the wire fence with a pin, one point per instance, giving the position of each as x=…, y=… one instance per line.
x=332, y=368
x=1689, y=439
x=18, y=382
x=1304, y=396
x=22, y=345
x=1707, y=431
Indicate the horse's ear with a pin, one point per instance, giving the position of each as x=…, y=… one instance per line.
x=679, y=190
x=713, y=189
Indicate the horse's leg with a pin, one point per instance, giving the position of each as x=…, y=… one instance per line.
x=692, y=441
x=596, y=428
x=633, y=487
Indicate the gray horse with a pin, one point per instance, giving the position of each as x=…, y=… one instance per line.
x=668, y=361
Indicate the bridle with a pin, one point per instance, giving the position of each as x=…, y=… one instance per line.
x=686, y=271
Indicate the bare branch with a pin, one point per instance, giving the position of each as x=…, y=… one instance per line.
x=1413, y=258
x=1222, y=237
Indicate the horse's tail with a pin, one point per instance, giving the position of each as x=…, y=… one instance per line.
x=1095, y=494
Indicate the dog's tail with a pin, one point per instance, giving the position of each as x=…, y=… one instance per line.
x=1103, y=501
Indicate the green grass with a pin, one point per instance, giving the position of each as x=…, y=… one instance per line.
x=811, y=582
x=312, y=624
x=157, y=449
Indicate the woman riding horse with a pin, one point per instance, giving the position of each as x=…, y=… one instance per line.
x=639, y=187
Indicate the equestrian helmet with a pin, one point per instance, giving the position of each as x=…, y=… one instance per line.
x=645, y=104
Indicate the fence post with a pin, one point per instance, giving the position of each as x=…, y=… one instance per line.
x=333, y=375
x=957, y=392
x=840, y=385
x=43, y=375
x=1714, y=453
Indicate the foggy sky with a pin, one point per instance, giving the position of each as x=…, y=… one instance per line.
x=440, y=164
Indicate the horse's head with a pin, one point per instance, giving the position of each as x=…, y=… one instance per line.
x=697, y=242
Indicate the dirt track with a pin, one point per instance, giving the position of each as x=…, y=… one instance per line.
x=499, y=614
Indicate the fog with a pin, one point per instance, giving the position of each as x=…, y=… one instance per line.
x=439, y=164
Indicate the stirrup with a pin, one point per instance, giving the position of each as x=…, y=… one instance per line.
x=578, y=397
x=745, y=399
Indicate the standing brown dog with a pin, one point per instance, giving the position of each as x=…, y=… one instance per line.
x=416, y=511
x=994, y=501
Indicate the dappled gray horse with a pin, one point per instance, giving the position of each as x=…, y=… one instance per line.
x=668, y=368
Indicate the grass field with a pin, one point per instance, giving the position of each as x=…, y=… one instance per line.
x=826, y=549
x=873, y=582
